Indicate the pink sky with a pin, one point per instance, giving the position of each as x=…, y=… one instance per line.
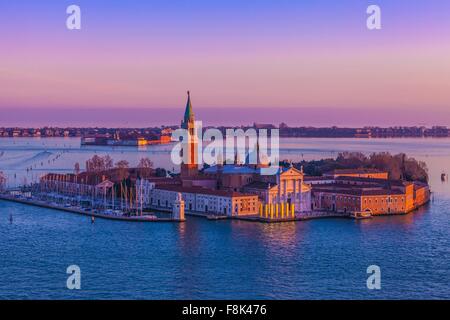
x=289, y=57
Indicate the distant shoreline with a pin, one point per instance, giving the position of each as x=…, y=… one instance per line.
x=308, y=137
x=285, y=131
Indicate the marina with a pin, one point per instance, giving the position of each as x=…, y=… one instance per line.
x=87, y=212
x=148, y=216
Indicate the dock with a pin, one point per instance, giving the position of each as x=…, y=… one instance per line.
x=42, y=204
x=192, y=213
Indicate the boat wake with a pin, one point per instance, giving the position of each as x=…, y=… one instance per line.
x=18, y=160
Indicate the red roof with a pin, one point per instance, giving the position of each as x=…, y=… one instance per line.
x=82, y=178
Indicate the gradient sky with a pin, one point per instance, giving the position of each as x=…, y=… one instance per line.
x=308, y=54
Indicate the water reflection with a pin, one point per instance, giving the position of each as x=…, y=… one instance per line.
x=279, y=235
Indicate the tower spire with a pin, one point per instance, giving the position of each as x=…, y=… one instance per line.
x=188, y=113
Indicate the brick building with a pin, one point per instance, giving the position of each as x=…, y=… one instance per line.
x=374, y=196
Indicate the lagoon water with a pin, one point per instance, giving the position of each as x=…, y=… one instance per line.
x=200, y=259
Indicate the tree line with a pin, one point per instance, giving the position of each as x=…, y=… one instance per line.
x=398, y=166
x=99, y=164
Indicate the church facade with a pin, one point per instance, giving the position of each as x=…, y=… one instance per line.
x=287, y=187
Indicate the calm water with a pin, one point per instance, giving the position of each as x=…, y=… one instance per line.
x=203, y=259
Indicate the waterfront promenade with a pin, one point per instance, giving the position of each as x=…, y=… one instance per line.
x=86, y=212
x=33, y=201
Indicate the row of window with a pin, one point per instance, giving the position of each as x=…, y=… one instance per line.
x=383, y=200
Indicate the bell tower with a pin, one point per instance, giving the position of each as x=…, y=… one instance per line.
x=191, y=167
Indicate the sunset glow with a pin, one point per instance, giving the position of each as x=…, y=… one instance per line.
x=308, y=54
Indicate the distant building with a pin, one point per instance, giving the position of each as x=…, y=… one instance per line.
x=97, y=139
x=129, y=139
x=75, y=185
x=263, y=126
x=373, y=196
x=363, y=133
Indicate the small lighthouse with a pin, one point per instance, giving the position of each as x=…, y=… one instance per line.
x=178, y=208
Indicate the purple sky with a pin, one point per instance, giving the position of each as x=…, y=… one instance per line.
x=138, y=117
x=309, y=62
